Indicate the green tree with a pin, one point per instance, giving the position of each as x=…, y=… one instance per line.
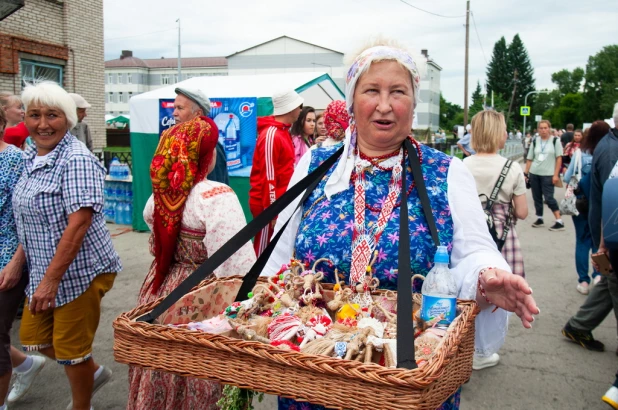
x=477, y=101
x=499, y=73
x=520, y=61
x=568, y=82
x=569, y=111
x=449, y=115
x=600, y=92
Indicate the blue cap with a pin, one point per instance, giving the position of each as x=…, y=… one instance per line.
x=441, y=255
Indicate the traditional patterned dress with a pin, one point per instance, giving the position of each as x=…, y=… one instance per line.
x=212, y=215
x=326, y=227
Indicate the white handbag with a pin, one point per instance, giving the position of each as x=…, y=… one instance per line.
x=567, y=205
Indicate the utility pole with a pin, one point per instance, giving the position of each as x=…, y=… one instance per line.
x=466, y=69
x=508, y=117
x=179, y=70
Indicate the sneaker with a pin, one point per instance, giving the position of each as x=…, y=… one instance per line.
x=611, y=397
x=23, y=381
x=596, y=280
x=104, y=377
x=538, y=223
x=583, y=338
x=479, y=362
x=583, y=288
x=557, y=227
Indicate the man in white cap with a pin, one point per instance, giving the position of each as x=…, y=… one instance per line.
x=191, y=103
x=81, y=130
x=273, y=159
x=464, y=143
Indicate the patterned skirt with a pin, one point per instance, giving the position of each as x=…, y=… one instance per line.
x=149, y=389
x=512, y=248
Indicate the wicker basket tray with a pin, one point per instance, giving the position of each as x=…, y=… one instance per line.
x=332, y=382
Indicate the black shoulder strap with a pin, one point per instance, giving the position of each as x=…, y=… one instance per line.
x=308, y=183
x=405, y=327
x=494, y=193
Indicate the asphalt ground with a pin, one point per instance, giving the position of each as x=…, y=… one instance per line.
x=539, y=368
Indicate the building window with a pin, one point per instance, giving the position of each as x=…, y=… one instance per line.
x=32, y=71
x=109, y=98
x=121, y=97
x=175, y=78
x=130, y=95
x=129, y=78
x=165, y=79
x=114, y=98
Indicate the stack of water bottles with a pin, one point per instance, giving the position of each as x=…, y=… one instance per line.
x=118, y=194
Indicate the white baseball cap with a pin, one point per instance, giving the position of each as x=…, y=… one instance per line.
x=285, y=102
x=80, y=101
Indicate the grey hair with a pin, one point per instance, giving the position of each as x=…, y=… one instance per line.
x=195, y=107
x=616, y=115
x=50, y=94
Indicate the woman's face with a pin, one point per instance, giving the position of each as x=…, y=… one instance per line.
x=577, y=137
x=544, y=130
x=14, y=114
x=321, y=127
x=47, y=126
x=309, y=126
x=383, y=106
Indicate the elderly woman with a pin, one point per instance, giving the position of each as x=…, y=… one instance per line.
x=354, y=211
x=190, y=218
x=58, y=205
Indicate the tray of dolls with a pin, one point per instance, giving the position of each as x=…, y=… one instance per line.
x=298, y=338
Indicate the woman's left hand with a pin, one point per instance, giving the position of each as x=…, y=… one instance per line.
x=510, y=292
x=555, y=180
x=44, y=297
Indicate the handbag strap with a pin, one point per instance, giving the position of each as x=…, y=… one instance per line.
x=405, y=326
x=494, y=192
x=242, y=237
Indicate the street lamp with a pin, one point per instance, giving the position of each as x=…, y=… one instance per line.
x=526, y=104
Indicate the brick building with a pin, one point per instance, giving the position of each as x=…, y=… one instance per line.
x=59, y=40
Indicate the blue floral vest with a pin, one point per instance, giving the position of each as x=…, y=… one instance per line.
x=326, y=227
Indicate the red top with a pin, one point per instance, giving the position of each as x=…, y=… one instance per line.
x=16, y=135
x=273, y=163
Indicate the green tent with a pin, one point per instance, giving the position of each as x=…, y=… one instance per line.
x=318, y=90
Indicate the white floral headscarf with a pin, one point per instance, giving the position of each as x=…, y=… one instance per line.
x=340, y=178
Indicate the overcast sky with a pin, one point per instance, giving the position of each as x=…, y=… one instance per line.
x=557, y=34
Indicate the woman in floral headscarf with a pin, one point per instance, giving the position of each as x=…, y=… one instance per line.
x=190, y=218
x=336, y=120
x=352, y=214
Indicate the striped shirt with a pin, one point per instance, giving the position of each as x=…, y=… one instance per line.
x=68, y=179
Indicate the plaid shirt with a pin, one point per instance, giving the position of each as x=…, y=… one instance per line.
x=68, y=179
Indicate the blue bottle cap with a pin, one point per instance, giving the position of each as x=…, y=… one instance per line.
x=441, y=255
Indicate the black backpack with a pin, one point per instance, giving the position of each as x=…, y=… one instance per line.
x=490, y=203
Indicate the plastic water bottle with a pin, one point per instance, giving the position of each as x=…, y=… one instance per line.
x=111, y=211
x=439, y=291
x=118, y=213
x=232, y=147
x=114, y=168
x=127, y=214
x=119, y=196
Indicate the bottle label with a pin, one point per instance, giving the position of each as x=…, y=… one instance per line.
x=439, y=306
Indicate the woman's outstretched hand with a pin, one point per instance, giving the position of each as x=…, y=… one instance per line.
x=509, y=292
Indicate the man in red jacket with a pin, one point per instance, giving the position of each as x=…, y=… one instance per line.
x=273, y=160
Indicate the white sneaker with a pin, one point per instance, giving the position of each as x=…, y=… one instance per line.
x=23, y=381
x=479, y=362
x=596, y=280
x=583, y=288
x=611, y=397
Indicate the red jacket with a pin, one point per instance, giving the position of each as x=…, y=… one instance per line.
x=273, y=163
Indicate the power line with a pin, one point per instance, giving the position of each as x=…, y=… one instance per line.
x=429, y=12
x=139, y=35
x=479, y=38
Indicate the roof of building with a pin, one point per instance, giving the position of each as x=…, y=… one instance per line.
x=280, y=37
x=188, y=62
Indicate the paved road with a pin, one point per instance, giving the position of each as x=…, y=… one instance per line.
x=539, y=368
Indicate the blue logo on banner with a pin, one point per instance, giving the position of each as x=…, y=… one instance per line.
x=236, y=119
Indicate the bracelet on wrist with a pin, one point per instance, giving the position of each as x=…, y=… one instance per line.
x=480, y=286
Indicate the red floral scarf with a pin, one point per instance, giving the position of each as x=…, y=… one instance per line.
x=181, y=160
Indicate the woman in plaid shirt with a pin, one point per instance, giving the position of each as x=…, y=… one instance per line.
x=58, y=204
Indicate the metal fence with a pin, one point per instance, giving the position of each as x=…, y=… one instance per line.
x=105, y=157
x=512, y=150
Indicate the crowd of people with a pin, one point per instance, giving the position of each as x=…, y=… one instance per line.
x=57, y=252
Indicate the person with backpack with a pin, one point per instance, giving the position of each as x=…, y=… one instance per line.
x=581, y=166
x=502, y=190
x=543, y=173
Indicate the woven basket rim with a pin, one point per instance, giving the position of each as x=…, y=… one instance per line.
x=419, y=377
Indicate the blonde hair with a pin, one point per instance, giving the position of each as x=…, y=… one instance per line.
x=488, y=129
x=7, y=99
x=545, y=122
x=50, y=94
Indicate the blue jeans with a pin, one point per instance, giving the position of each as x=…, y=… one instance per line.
x=583, y=246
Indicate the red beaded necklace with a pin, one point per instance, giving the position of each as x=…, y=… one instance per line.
x=375, y=163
